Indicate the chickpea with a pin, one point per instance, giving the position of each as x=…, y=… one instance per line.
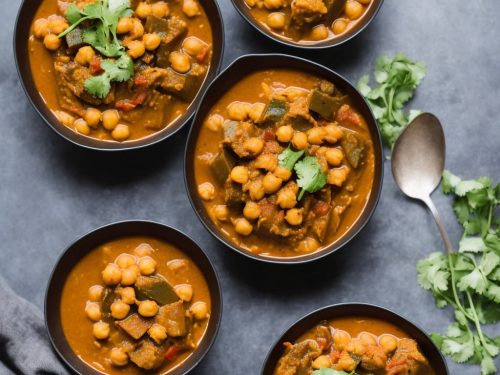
x=214, y=122
x=286, y=198
x=193, y=45
x=238, y=111
x=127, y=295
x=256, y=111
x=81, y=126
x=271, y=183
x=276, y=20
x=96, y=292
x=184, y=292
x=151, y=41
x=51, y=42
x=341, y=339
x=135, y=268
x=339, y=26
x=129, y=276
x=57, y=24
x=285, y=133
x=125, y=25
x=356, y=347
x=148, y=308
x=64, y=118
x=137, y=29
x=118, y=357
x=334, y=156
x=191, y=8
x=323, y=361
x=251, y=3
x=294, y=216
x=121, y=132
x=283, y=173
x=143, y=10
x=239, y=174
x=93, y=117
x=143, y=250
x=345, y=363
x=100, y=330
x=125, y=260
x=41, y=28
x=180, y=62
x=206, y=191
x=254, y=145
x=267, y=161
x=308, y=245
x=333, y=133
x=147, y=265
x=160, y=9
x=199, y=310
x=158, y=333
x=353, y=9
x=251, y=210
x=319, y=32
x=256, y=190
x=93, y=311
x=119, y=309
x=316, y=135
x=221, y=212
x=338, y=176
x=178, y=265
x=243, y=226
x=111, y=274
x=299, y=141
x=388, y=343
x=110, y=119
x=84, y=55
x=136, y=48
x=273, y=4
x=367, y=339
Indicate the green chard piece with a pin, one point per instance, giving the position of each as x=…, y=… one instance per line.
x=155, y=288
x=274, y=111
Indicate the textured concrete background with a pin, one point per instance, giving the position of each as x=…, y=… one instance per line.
x=52, y=192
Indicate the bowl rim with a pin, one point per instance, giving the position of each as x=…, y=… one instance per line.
x=135, y=144
x=217, y=323
x=329, y=249
x=317, y=46
x=355, y=305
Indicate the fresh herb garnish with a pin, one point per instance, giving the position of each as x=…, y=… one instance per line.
x=469, y=279
x=397, y=80
x=103, y=16
x=120, y=70
x=288, y=158
x=330, y=371
x=310, y=176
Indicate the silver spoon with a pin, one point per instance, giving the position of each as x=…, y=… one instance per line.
x=418, y=163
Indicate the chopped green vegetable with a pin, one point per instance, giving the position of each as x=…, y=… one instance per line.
x=397, y=80
x=288, y=158
x=469, y=279
x=103, y=16
x=120, y=70
x=310, y=176
x=330, y=371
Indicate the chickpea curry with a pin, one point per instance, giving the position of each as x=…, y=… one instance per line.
x=284, y=163
x=353, y=345
x=119, y=70
x=307, y=21
x=135, y=304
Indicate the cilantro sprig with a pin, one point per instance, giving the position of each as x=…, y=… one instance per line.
x=330, y=371
x=397, y=80
x=469, y=279
x=288, y=158
x=120, y=70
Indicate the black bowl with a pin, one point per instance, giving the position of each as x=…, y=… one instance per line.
x=307, y=322
x=361, y=24
x=234, y=73
x=72, y=255
x=22, y=27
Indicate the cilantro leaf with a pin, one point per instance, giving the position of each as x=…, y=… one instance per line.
x=330, y=371
x=310, y=176
x=288, y=158
x=114, y=71
x=98, y=86
x=397, y=80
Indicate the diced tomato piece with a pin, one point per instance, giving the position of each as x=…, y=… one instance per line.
x=202, y=55
x=398, y=362
x=268, y=135
x=140, y=97
x=172, y=352
x=346, y=114
x=334, y=356
x=125, y=105
x=321, y=208
x=321, y=342
x=140, y=80
x=95, y=65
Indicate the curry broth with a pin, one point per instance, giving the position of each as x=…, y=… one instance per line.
x=42, y=68
x=249, y=89
x=78, y=328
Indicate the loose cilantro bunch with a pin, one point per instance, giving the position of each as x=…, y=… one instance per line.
x=397, y=80
x=119, y=71
x=469, y=279
x=310, y=176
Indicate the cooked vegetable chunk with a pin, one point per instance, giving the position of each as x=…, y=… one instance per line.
x=354, y=149
x=173, y=318
x=135, y=325
x=155, y=288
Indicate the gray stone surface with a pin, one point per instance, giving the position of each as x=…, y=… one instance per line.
x=52, y=192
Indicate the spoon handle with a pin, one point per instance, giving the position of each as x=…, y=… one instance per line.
x=442, y=230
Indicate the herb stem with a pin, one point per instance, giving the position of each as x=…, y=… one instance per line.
x=476, y=321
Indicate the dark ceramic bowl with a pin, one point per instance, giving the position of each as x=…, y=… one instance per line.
x=72, y=255
x=429, y=349
x=242, y=67
x=361, y=24
x=25, y=17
